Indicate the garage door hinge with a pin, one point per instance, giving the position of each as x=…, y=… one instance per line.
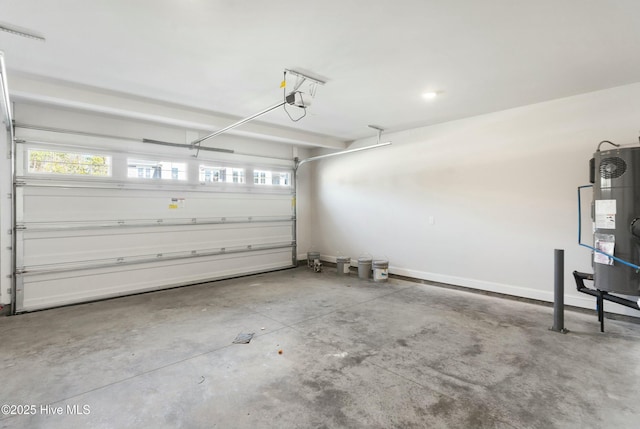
x=20, y=227
x=20, y=183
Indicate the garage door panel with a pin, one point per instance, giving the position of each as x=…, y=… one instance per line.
x=50, y=290
x=64, y=205
x=60, y=247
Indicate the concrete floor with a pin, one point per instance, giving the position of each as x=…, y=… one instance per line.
x=355, y=354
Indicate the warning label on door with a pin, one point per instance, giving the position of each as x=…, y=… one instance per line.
x=176, y=203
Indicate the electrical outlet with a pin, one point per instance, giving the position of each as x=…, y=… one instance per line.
x=432, y=221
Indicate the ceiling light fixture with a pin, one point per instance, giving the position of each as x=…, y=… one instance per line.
x=430, y=95
x=19, y=31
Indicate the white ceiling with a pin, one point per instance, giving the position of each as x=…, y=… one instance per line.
x=378, y=56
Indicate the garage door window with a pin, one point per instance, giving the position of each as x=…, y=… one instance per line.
x=210, y=174
x=156, y=170
x=69, y=163
x=271, y=178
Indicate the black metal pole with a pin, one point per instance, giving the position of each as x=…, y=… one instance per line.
x=600, y=303
x=558, y=292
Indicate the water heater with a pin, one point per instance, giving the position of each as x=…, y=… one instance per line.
x=615, y=212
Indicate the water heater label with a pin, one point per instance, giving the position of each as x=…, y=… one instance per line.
x=606, y=244
x=607, y=221
x=605, y=206
x=605, y=214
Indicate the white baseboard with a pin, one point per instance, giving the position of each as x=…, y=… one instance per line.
x=571, y=298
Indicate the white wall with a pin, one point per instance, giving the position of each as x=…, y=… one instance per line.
x=304, y=202
x=500, y=188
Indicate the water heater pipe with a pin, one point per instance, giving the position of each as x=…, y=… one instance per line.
x=606, y=141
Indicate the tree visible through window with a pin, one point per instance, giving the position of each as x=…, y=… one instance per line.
x=80, y=164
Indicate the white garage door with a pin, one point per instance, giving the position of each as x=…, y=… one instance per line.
x=96, y=222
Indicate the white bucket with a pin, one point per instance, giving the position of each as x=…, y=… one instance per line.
x=380, y=270
x=364, y=268
x=311, y=257
x=343, y=263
